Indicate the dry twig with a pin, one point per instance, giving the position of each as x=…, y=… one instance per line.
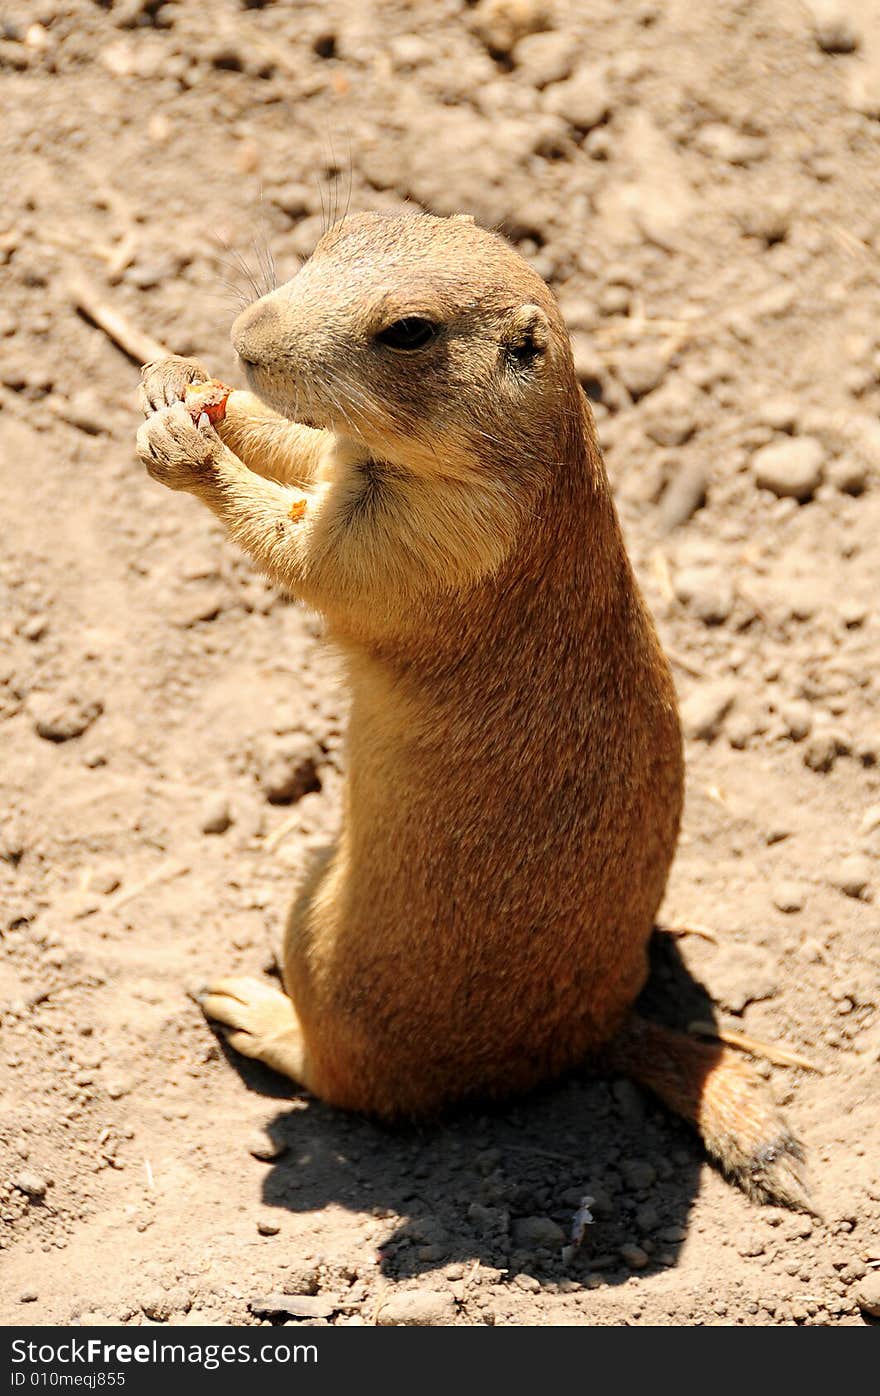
x=703, y=932
x=139, y=347
x=166, y=873
x=775, y=1052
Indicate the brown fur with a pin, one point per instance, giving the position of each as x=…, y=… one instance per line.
x=514, y=763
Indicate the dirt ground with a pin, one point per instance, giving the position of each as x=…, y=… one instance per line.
x=699, y=183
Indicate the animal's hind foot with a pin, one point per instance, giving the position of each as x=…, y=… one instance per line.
x=260, y=1022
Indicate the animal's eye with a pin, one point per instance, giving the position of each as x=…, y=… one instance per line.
x=413, y=332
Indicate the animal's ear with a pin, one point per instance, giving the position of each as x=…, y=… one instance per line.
x=527, y=336
x=463, y=218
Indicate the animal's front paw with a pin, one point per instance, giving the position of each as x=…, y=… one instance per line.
x=260, y=1022
x=164, y=381
x=179, y=452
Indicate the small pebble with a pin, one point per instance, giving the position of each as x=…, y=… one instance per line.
x=12, y=840
x=546, y=57
x=216, y=816
x=751, y=1244
x=486, y=1220
x=262, y=1146
x=410, y=51
x=293, y=199
x=852, y=875
x=35, y=627
x=742, y=974
x=303, y=1306
x=790, y=469
x=797, y=719
x=58, y=717
x=634, y=1256
x=673, y=1234
x=703, y=711
x=798, y=1229
x=105, y=880
x=835, y=25
x=706, y=592
x=853, y=613
x=500, y=24
x=412, y=1308
x=863, y=90
x=32, y=1185
x=820, y=751
x=867, y=747
x=868, y=1294
x=683, y=496
x=639, y=1174
x=157, y=1307
x=641, y=370
x=848, y=474
x=583, y=100
x=777, y=830
x=537, y=1233
x=779, y=412
x=268, y=1228
x=671, y=413
x=289, y=770
x=789, y=897
x=740, y=728
x=199, y=603
x=302, y=1279
x=768, y=219
x=722, y=142
x=647, y=1218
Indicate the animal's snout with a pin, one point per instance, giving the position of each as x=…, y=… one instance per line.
x=254, y=332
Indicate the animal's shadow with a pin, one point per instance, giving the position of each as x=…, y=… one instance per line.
x=470, y=1187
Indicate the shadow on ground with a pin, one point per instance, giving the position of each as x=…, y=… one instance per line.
x=502, y=1186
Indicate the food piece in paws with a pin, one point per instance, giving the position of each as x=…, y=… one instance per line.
x=209, y=397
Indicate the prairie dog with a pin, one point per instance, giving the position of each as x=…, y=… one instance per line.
x=418, y=463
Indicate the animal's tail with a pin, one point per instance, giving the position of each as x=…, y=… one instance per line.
x=727, y=1102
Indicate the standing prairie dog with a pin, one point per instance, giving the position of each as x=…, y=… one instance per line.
x=418, y=463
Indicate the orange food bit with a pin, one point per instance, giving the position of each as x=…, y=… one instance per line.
x=297, y=510
x=209, y=397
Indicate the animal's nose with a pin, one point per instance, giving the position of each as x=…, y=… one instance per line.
x=251, y=332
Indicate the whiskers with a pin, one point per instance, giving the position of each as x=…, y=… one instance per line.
x=346, y=400
x=244, y=281
x=249, y=277
x=336, y=200
x=268, y=278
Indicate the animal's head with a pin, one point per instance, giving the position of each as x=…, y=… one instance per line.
x=435, y=348
x=427, y=339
